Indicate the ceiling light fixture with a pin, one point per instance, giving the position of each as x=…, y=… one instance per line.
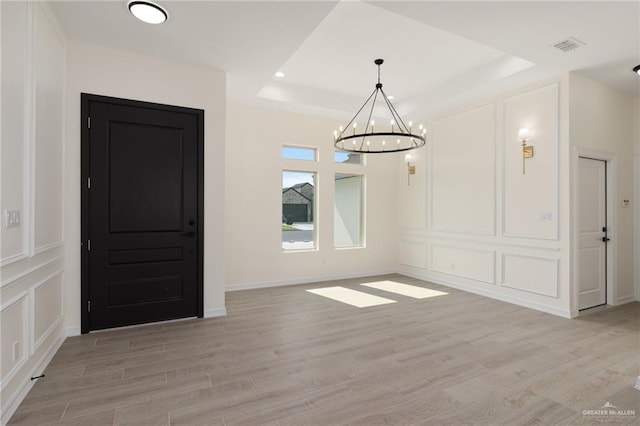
x=279, y=74
x=148, y=12
x=399, y=138
x=636, y=69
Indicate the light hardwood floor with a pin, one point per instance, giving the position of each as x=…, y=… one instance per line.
x=284, y=356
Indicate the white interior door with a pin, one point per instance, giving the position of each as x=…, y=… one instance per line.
x=592, y=226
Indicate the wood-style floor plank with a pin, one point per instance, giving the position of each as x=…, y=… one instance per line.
x=284, y=356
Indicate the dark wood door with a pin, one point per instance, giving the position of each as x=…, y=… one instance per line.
x=142, y=212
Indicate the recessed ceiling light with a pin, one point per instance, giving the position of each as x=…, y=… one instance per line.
x=279, y=74
x=637, y=69
x=390, y=97
x=148, y=12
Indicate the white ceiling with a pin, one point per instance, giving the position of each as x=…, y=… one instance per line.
x=438, y=55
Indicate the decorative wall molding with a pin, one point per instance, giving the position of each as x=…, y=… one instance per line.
x=431, y=226
x=492, y=242
x=13, y=258
x=29, y=145
x=22, y=298
x=404, y=259
x=23, y=274
x=36, y=342
x=553, y=261
x=49, y=246
x=556, y=165
x=14, y=400
x=491, y=253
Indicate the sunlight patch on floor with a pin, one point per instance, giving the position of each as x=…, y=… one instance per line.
x=351, y=297
x=405, y=289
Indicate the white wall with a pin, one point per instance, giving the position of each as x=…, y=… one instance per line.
x=103, y=71
x=254, y=202
x=471, y=219
x=32, y=273
x=602, y=126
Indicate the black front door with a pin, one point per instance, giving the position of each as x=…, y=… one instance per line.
x=142, y=201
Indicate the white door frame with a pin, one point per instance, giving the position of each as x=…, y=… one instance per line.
x=612, y=231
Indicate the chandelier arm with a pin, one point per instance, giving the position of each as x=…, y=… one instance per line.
x=394, y=113
x=370, y=114
x=359, y=111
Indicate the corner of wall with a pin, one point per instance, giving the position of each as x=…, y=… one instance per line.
x=33, y=280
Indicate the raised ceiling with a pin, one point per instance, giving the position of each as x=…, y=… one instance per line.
x=438, y=55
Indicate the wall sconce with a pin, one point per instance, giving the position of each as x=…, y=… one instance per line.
x=527, y=150
x=411, y=168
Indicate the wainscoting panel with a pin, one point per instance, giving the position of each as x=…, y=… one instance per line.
x=474, y=264
x=48, y=179
x=538, y=275
x=47, y=302
x=14, y=325
x=413, y=254
x=463, y=172
x=530, y=204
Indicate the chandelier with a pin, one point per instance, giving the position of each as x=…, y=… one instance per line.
x=399, y=137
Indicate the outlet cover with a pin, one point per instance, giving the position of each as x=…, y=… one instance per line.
x=16, y=350
x=11, y=218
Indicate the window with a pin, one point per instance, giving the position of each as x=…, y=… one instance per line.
x=298, y=210
x=297, y=153
x=347, y=157
x=347, y=223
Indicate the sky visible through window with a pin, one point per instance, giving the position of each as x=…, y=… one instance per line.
x=293, y=178
x=341, y=157
x=291, y=153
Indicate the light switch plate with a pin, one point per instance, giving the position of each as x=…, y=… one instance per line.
x=11, y=218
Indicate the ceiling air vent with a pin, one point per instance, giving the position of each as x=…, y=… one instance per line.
x=568, y=44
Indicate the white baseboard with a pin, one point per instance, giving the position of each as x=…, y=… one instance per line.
x=215, y=312
x=280, y=283
x=72, y=331
x=15, y=400
x=625, y=299
x=493, y=295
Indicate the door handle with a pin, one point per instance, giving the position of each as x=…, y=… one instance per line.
x=190, y=234
x=605, y=239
